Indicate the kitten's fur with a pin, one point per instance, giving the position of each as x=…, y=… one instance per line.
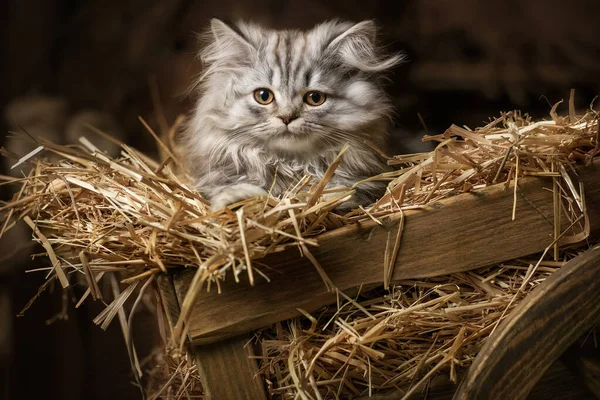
x=236, y=146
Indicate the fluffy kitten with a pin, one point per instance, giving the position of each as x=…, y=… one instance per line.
x=284, y=103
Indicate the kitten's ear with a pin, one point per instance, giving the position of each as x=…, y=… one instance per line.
x=229, y=41
x=357, y=47
x=364, y=31
x=224, y=33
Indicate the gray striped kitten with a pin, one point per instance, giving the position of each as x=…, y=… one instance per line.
x=283, y=103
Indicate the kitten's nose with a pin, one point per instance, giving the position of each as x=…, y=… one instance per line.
x=288, y=118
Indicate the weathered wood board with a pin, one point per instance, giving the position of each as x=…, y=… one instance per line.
x=228, y=370
x=457, y=234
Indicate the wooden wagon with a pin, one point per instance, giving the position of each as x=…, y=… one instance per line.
x=461, y=233
x=133, y=216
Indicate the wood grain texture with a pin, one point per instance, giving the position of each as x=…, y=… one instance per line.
x=226, y=368
x=168, y=299
x=228, y=372
x=538, y=331
x=457, y=234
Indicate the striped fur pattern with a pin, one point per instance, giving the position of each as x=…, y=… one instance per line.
x=240, y=148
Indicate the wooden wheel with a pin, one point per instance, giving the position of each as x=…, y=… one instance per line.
x=538, y=331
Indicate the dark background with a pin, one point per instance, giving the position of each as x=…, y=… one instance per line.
x=468, y=60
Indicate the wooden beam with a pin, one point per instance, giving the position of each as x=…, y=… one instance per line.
x=460, y=233
x=168, y=300
x=228, y=371
x=551, y=318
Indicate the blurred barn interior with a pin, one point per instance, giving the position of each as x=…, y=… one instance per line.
x=71, y=62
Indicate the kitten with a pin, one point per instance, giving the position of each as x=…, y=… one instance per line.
x=275, y=105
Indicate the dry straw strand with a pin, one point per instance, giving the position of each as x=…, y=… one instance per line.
x=130, y=215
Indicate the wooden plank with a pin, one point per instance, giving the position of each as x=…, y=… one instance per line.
x=457, y=234
x=227, y=369
x=552, y=317
x=228, y=372
x=168, y=299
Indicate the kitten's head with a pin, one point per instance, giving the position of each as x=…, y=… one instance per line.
x=292, y=92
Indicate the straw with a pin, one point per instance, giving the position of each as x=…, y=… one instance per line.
x=134, y=218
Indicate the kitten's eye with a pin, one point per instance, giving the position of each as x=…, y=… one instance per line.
x=264, y=96
x=315, y=98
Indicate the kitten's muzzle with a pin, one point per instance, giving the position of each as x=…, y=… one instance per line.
x=288, y=118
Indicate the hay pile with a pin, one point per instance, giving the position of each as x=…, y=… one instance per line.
x=397, y=340
x=96, y=216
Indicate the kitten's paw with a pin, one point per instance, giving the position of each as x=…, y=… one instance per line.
x=234, y=193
